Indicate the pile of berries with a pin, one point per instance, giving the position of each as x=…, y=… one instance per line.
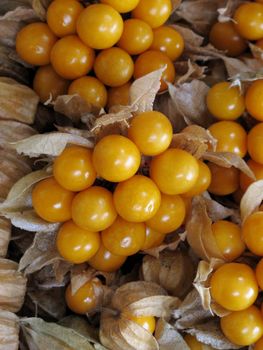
x=112, y=41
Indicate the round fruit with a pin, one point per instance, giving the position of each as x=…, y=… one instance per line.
x=224, y=36
x=86, y=298
x=119, y=95
x=167, y=40
x=137, y=36
x=224, y=180
x=70, y=58
x=137, y=199
x=252, y=233
x=105, y=261
x=152, y=60
x=120, y=63
x=151, y=132
x=73, y=168
x=93, y=209
x=170, y=215
x=254, y=98
x=203, y=181
x=75, y=244
x=243, y=327
x=259, y=274
x=257, y=169
x=34, y=43
x=225, y=102
x=259, y=344
x=154, y=12
x=255, y=143
x=228, y=239
x=248, y=20
x=48, y=84
x=122, y=6
x=51, y=201
x=91, y=90
x=100, y=26
x=123, y=237
x=147, y=322
x=194, y=344
x=116, y=158
x=234, y=286
x=152, y=239
x=62, y=16
x=174, y=171
x=231, y=137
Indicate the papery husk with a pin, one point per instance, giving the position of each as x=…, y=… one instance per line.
x=50, y=144
x=199, y=231
x=5, y=234
x=226, y=13
x=191, y=38
x=40, y=7
x=257, y=52
x=174, y=271
x=251, y=199
x=167, y=336
x=195, y=140
x=189, y=71
x=217, y=211
x=9, y=331
x=23, y=108
x=12, y=286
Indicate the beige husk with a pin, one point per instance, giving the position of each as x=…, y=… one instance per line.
x=9, y=331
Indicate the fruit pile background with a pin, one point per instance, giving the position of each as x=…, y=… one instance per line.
x=131, y=171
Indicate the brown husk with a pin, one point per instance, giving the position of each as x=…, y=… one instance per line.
x=9, y=331
x=252, y=199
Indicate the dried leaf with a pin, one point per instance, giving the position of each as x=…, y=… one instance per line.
x=42, y=335
x=199, y=232
x=23, y=107
x=252, y=199
x=174, y=271
x=9, y=331
x=144, y=90
x=41, y=253
x=12, y=286
x=168, y=337
x=51, y=144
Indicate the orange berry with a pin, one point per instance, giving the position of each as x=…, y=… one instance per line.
x=224, y=180
x=252, y=233
x=255, y=143
x=152, y=239
x=154, y=12
x=254, y=98
x=248, y=20
x=119, y=95
x=203, y=181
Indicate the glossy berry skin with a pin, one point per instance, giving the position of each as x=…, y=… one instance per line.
x=120, y=63
x=75, y=244
x=152, y=239
x=203, y=181
x=85, y=299
x=34, y=43
x=152, y=60
x=174, y=171
x=116, y=158
x=167, y=40
x=194, y=344
x=48, y=84
x=137, y=199
x=123, y=237
x=224, y=180
x=257, y=169
x=255, y=142
x=73, y=168
x=93, y=209
x=248, y=20
x=62, y=16
x=234, y=286
x=105, y=261
x=147, y=322
x=224, y=36
x=152, y=132
x=137, y=36
x=155, y=12
x=254, y=96
x=100, y=26
x=170, y=215
x=243, y=327
x=225, y=102
x=91, y=90
x=70, y=58
x=228, y=239
x=51, y=201
x=252, y=233
x=259, y=344
x=119, y=95
x=259, y=273
x=231, y=137
x=122, y=6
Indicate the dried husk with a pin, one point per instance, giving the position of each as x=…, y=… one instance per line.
x=174, y=271
x=12, y=286
x=167, y=336
x=9, y=331
x=226, y=12
x=187, y=71
x=252, y=199
x=217, y=211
